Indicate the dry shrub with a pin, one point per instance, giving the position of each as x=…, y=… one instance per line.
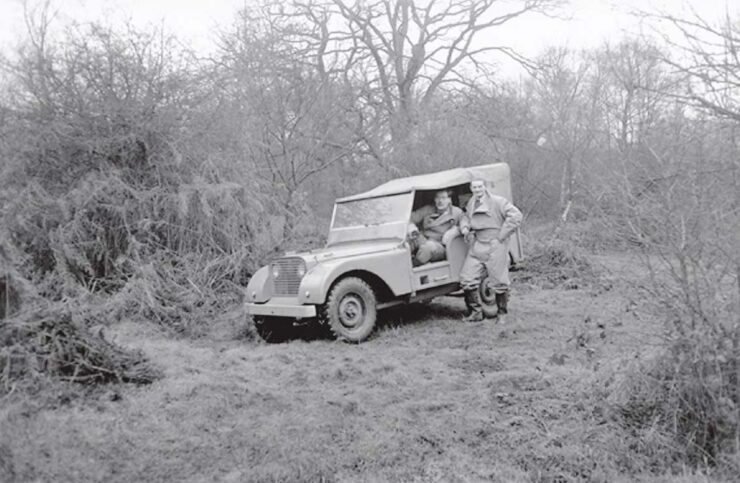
x=177, y=255
x=682, y=406
x=29, y=216
x=10, y=299
x=12, y=285
x=183, y=294
x=52, y=341
x=119, y=193
x=558, y=264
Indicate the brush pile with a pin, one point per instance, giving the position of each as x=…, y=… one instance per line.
x=559, y=264
x=52, y=342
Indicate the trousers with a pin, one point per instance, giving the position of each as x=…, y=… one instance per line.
x=483, y=257
x=430, y=251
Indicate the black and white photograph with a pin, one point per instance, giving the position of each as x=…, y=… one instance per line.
x=370, y=241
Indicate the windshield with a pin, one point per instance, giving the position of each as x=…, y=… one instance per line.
x=372, y=211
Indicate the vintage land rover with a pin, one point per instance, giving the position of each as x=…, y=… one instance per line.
x=366, y=265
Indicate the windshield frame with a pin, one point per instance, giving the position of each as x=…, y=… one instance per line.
x=395, y=230
x=334, y=211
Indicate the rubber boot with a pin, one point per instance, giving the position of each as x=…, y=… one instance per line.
x=466, y=296
x=472, y=300
x=502, y=300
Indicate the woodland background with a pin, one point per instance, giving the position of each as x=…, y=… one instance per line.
x=141, y=180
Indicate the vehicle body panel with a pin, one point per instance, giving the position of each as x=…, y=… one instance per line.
x=444, y=272
x=259, y=288
x=391, y=262
x=392, y=267
x=347, y=249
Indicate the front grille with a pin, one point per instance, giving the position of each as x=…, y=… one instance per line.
x=288, y=281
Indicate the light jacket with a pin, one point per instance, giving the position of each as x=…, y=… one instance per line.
x=433, y=224
x=495, y=217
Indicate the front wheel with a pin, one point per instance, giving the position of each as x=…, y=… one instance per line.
x=351, y=310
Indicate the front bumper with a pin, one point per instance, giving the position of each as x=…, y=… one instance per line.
x=282, y=307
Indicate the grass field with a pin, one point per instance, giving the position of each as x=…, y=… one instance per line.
x=428, y=398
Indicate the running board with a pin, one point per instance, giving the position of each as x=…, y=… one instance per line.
x=434, y=292
x=392, y=303
x=449, y=289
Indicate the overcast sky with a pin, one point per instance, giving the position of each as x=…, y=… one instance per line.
x=592, y=21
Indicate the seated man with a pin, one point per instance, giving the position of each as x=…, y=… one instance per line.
x=437, y=226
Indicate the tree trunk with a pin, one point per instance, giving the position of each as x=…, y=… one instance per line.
x=566, y=198
x=735, y=375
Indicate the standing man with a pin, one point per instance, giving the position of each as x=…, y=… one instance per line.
x=487, y=224
x=438, y=225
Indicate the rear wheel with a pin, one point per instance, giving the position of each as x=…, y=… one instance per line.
x=488, y=299
x=351, y=309
x=274, y=329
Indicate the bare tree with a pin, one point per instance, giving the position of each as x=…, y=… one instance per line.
x=635, y=91
x=567, y=103
x=708, y=56
x=289, y=122
x=711, y=61
x=400, y=53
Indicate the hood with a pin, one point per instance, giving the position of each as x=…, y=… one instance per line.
x=344, y=250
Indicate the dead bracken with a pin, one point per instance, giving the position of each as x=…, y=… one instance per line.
x=49, y=342
x=557, y=265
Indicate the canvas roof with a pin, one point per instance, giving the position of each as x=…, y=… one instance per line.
x=494, y=174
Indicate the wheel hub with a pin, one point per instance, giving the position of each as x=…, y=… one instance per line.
x=351, y=310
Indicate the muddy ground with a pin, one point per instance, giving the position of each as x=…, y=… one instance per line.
x=428, y=398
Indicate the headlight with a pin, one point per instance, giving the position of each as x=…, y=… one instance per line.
x=301, y=270
x=275, y=270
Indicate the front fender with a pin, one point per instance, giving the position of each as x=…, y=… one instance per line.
x=393, y=267
x=259, y=288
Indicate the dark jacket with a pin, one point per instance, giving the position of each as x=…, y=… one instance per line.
x=493, y=217
x=433, y=224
